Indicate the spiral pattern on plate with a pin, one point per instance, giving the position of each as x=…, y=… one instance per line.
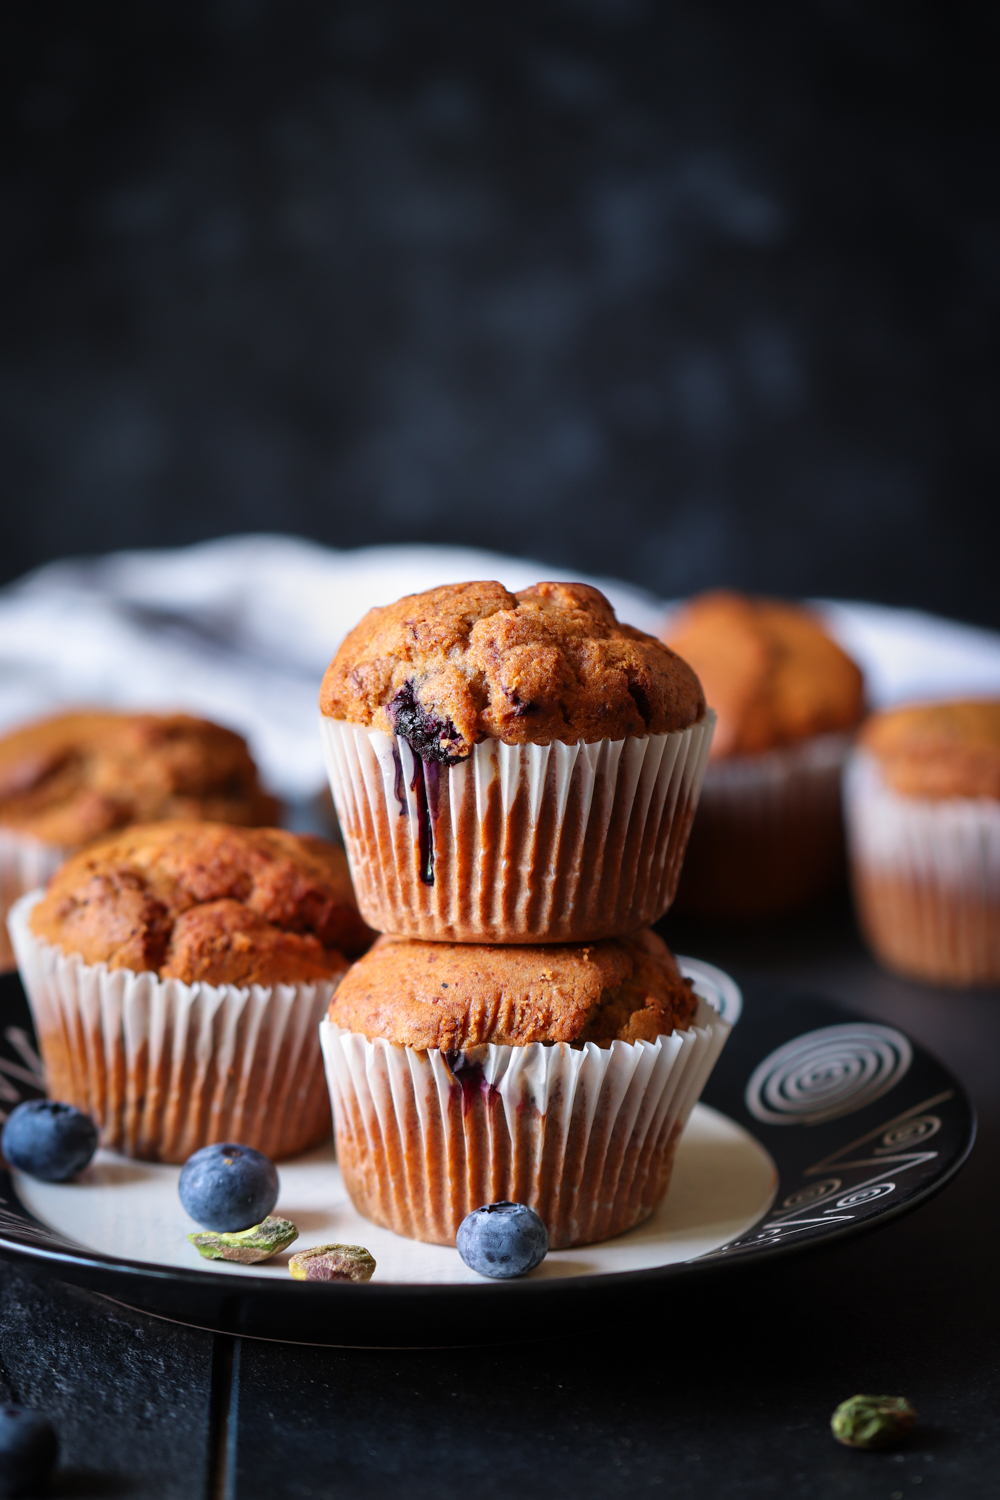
x=824, y=1074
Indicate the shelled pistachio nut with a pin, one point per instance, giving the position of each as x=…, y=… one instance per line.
x=248, y=1246
x=332, y=1263
x=872, y=1421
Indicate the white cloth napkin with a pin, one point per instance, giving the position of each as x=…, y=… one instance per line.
x=242, y=629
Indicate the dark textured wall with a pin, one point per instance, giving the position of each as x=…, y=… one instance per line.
x=689, y=292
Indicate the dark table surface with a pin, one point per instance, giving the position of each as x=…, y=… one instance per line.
x=718, y=1389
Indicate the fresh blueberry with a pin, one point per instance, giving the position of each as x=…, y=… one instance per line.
x=49, y=1140
x=502, y=1239
x=228, y=1187
x=28, y=1448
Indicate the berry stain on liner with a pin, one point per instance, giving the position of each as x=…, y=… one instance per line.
x=471, y=1079
x=427, y=737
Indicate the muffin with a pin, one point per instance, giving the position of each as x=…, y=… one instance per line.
x=922, y=793
x=69, y=779
x=558, y=1076
x=512, y=768
x=768, y=838
x=177, y=974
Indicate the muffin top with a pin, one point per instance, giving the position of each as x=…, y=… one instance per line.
x=939, y=749
x=70, y=778
x=206, y=901
x=769, y=670
x=469, y=661
x=451, y=996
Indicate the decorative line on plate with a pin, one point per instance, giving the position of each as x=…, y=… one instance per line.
x=33, y=1074
x=23, y=1228
x=863, y=1195
x=803, y=1211
x=827, y=1073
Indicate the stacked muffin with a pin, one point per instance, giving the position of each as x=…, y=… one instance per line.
x=515, y=776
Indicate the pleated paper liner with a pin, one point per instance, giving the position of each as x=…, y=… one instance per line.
x=926, y=876
x=586, y=1136
x=518, y=843
x=769, y=835
x=164, y=1067
x=25, y=864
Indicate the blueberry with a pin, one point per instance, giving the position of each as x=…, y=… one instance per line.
x=49, y=1140
x=28, y=1448
x=502, y=1239
x=228, y=1187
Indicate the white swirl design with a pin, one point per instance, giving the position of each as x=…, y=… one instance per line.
x=863, y=1195
x=827, y=1073
x=807, y=1195
x=909, y=1133
x=721, y=992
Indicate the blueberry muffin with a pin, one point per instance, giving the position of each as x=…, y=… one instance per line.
x=923, y=808
x=560, y=1076
x=69, y=779
x=511, y=768
x=177, y=973
x=768, y=838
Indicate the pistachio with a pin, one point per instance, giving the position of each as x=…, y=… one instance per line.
x=872, y=1421
x=248, y=1246
x=332, y=1263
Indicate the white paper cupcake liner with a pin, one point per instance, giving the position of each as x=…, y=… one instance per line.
x=926, y=874
x=164, y=1067
x=518, y=843
x=25, y=864
x=586, y=1136
x=769, y=834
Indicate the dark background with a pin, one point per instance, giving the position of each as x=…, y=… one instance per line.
x=689, y=293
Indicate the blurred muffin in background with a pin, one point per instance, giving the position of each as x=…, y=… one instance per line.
x=768, y=834
x=922, y=797
x=177, y=974
x=69, y=779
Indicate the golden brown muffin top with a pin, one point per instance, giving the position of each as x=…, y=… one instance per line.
x=206, y=901
x=470, y=661
x=939, y=749
x=769, y=670
x=451, y=996
x=70, y=778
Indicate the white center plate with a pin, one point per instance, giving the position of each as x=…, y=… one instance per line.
x=724, y=1181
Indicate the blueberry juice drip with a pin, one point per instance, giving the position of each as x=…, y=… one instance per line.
x=429, y=739
x=398, y=784
x=422, y=772
x=471, y=1080
x=425, y=789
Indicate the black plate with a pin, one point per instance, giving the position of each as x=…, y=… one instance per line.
x=862, y=1124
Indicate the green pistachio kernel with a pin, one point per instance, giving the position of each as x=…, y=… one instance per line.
x=872, y=1421
x=332, y=1263
x=248, y=1246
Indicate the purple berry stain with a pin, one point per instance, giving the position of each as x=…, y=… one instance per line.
x=471, y=1080
x=429, y=739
